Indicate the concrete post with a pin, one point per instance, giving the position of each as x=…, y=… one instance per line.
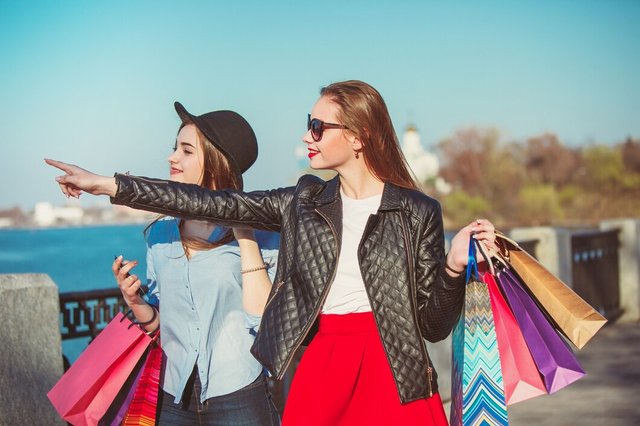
x=629, y=264
x=30, y=349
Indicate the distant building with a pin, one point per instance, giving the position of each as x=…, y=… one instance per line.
x=46, y=214
x=12, y=217
x=424, y=164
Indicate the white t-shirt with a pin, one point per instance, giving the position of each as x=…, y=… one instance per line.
x=347, y=293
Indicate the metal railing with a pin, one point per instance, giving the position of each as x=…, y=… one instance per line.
x=86, y=313
x=596, y=271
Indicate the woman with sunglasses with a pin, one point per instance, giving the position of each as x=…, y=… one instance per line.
x=362, y=274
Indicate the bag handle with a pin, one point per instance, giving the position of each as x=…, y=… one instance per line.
x=134, y=322
x=486, y=253
x=505, y=244
x=472, y=264
x=507, y=239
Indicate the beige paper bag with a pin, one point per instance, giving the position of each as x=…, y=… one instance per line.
x=575, y=318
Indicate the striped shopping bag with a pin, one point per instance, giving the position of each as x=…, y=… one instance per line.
x=143, y=408
x=477, y=388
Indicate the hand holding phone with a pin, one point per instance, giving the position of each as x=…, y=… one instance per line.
x=126, y=285
x=122, y=263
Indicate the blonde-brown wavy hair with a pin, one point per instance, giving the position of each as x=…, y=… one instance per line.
x=363, y=111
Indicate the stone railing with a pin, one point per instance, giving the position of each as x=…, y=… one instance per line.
x=30, y=349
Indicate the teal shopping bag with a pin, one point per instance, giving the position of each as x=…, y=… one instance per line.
x=477, y=388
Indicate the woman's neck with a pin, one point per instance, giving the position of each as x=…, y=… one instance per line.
x=198, y=229
x=360, y=184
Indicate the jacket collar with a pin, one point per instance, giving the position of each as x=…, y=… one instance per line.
x=331, y=191
x=390, y=194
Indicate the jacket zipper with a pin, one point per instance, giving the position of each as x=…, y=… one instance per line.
x=414, y=301
x=275, y=293
x=322, y=299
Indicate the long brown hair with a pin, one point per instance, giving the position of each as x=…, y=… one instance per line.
x=363, y=111
x=216, y=174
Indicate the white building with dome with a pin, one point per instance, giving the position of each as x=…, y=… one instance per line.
x=425, y=165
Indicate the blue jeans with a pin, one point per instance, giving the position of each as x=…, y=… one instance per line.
x=251, y=406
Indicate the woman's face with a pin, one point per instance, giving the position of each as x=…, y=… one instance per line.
x=335, y=149
x=186, y=163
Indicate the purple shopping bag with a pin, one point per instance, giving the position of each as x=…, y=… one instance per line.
x=552, y=355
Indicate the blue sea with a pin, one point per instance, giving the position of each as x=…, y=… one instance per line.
x=76, y=258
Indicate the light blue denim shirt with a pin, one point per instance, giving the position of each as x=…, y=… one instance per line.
x=202, y=321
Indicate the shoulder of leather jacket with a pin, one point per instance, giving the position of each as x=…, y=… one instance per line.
x=309, y=186
x=419, y=204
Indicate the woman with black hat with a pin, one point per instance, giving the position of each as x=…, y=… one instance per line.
x=210, y=285
x=362, y=273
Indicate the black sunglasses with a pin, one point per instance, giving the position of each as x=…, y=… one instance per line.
x=317, y=127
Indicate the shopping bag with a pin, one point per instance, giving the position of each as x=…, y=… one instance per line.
x=477, y=386
x=520, y=375
x=553, y=357
x=118, y=408
x=143, y=407
x=86, y=391
x=574, y=317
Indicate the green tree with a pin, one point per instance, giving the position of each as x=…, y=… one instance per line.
x=604, y=169
x=486, y=171
x=460, y=208
x=539, y=204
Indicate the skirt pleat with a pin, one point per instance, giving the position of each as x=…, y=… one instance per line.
x=344, y=378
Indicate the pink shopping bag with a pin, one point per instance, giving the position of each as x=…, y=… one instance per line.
x=521, y=378
x=85, y=392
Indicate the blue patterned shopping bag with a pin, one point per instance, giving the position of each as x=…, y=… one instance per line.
x=477, y=388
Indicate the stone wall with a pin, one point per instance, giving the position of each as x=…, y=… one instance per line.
x=629, y=263
x=30, y=349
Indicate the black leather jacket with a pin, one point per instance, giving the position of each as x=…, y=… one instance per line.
x=401, y=257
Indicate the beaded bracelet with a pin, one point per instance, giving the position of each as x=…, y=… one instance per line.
x=257, y=268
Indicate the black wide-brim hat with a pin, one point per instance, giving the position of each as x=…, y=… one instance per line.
x=229, y=132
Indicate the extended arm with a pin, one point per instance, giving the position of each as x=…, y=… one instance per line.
x=258, y=210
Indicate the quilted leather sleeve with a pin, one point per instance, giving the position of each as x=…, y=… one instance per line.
x=439, y=297
x=257, y=210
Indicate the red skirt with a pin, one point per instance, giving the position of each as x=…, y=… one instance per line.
x=344, y=378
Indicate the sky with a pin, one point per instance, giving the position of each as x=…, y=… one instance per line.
x=93, y=82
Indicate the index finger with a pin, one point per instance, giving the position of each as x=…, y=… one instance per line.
x=58, y=165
